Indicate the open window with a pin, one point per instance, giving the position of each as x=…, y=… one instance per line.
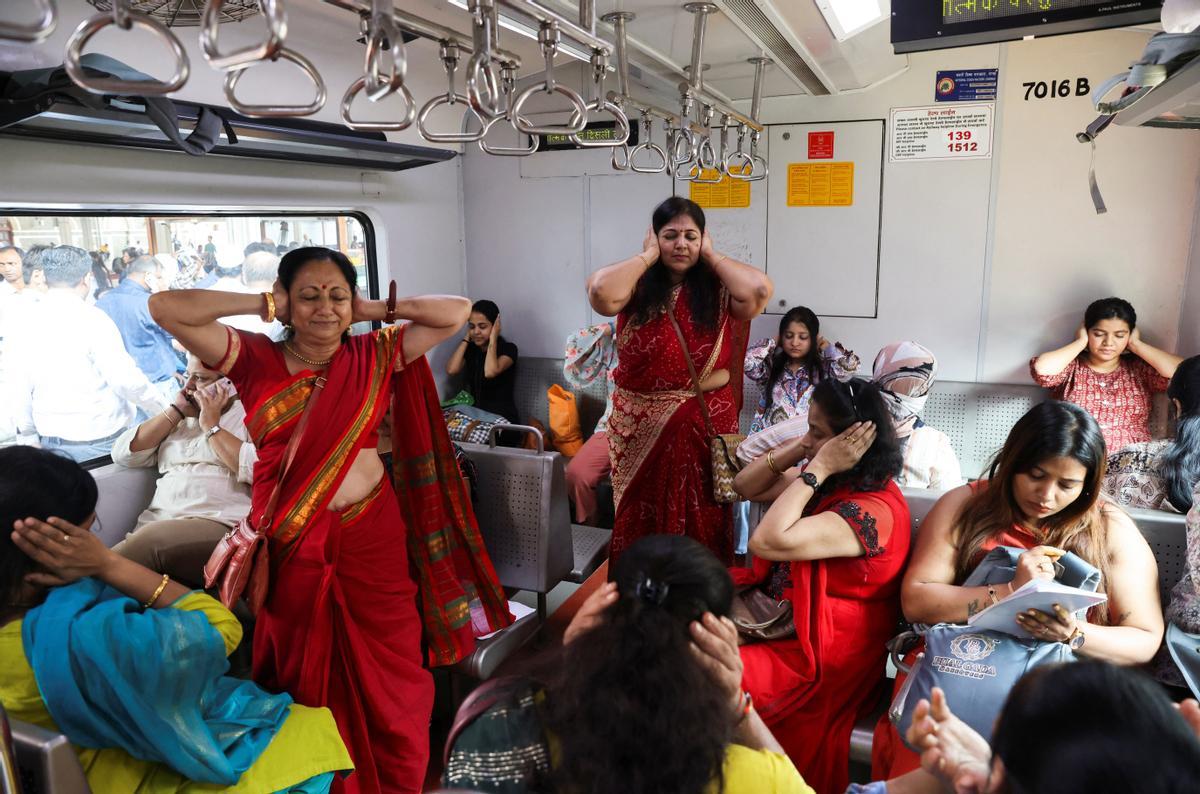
x=80, y=359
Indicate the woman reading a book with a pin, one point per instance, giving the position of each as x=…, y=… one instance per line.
x=1042, y=494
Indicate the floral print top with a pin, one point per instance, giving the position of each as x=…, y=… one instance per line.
x=793, y=390
x=592, y=354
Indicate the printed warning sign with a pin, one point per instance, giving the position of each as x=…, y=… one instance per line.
x=940, y=132
x=728, y=193
x=820, y=184
x=820, y=145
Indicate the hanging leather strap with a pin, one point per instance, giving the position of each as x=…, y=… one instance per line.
x=687, y=357
x=290, y=454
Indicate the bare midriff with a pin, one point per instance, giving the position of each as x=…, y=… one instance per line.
x=365, y=473
x=715, y=380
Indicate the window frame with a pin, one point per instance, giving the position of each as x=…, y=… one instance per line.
x=370, y=257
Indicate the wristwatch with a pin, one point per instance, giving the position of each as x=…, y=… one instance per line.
x=212, y=431
x=810, y=480
x=1075, y=641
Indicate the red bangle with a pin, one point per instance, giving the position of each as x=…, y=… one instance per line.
x=390, y=317
x=746, y=707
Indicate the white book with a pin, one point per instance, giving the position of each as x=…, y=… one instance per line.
x=1041, y=594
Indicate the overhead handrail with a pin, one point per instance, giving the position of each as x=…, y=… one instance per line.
x=508, y=85
x=378, y=80
x=738, y=164
x=272, y=10
x=648, y=145
x=38, y=31
x=270, y=111
x=757, y=159
x=126, y=19
x=602, y=105
x=484, y=91
x=704, y=157
x=449, y=55
x=548, y=38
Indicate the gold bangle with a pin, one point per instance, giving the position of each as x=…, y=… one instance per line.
x=644, y=262
x=161, y=586
x=719, y=261
x=270, y=307
x=771, y=463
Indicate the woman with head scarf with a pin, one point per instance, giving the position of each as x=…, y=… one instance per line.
x=905, y=372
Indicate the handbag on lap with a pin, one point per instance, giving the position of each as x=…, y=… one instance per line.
x=722, y=448
x=239, y=566
x=977, y=668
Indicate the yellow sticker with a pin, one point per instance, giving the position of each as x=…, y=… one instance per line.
x=820, y=184
x=729, y=193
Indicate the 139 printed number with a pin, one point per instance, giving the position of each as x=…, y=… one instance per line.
x=1057, y=89
x=960, y=141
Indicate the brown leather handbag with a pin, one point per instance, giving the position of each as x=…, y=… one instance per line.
x=760, y=618
x=239, y=566
x=722, y=448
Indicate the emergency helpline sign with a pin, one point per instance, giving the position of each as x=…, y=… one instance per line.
x=941, y=132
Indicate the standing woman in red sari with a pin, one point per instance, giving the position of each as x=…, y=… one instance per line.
x=834, y=544
x=340, y=627
x=661, y=469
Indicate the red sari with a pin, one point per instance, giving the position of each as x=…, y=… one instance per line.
x=811, y=689
x=340, y=627
x=661, y=467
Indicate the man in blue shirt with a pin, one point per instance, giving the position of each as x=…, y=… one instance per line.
x=128, y=305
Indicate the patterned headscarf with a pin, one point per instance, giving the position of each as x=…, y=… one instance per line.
x=904, y=372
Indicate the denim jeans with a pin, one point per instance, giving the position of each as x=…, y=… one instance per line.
x=81, y=451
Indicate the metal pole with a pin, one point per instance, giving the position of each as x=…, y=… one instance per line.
x=568, y=28
x=587, y=15
x=701, y=11
x=619, y=21
x=760, y=68
x=418, y=26
x=652, y=110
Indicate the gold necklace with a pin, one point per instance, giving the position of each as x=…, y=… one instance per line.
x=307, y=361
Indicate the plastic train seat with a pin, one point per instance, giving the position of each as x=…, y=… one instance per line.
x=46, y=761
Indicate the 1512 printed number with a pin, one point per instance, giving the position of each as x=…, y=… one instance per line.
x=960, y=141
x=1057, y=89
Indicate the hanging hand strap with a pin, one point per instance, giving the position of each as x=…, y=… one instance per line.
x=687, y=357
x=290, y=454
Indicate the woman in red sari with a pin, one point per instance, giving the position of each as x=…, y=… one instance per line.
x=340, y=627
x=661, y=469
x=1042, y=493
x=834, y=543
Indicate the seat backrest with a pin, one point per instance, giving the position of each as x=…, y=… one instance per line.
x=920, y=502
x=9, y=774
x=978, y=416
x=47, y=761
x=536, y=375
x=1167, y=535
x=124, y=494
x=524, y=515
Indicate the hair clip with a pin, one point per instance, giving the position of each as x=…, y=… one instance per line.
x=651, y=591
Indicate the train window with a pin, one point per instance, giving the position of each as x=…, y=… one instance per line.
x=80, y=359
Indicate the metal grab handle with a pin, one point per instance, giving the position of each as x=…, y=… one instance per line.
x=740, y=171
x=508, y=82
x=602, y=105
x=449, y=137
x=481, y=71
x=755, y=175
x=578, y=116
x=36, y=32
x=380, y=29
x=648, y=146
x=705, y=160
x=679, y=137
x=533, y=431
x=268, y=50
x=410, y=108
x=125, y=19
x=232, y=78
x=617, y=164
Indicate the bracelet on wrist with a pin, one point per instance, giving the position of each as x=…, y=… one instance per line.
x=168, y=408
x=161, y=586
x=270, y=300
x=744, y=707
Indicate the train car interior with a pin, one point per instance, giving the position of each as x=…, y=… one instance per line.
x=852, y=295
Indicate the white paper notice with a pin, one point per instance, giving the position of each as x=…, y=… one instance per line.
x=938, y=132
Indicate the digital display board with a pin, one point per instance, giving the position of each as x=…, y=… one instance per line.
x=919, y=25
x=596, y=132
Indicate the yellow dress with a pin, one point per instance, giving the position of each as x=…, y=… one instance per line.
x=307, y=745
x=760, y=772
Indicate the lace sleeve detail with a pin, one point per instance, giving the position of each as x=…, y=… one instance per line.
x=866, y=526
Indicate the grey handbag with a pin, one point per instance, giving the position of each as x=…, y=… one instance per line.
x=1184, y=648
x=978, y=668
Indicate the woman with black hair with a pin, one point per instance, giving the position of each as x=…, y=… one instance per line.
x=683, y=313
x=1042, y=494
x=1160, y=475
x=834, y=544
x=1108, y=370
x=788, y=366
x=487, y=361
x=129, y=664
x=340, y=626
x=1065, y=729
x=646, y=697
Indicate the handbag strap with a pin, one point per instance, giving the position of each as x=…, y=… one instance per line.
x=290, y=453
x=687, y=357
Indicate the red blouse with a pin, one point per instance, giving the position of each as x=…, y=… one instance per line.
x=1119, y=400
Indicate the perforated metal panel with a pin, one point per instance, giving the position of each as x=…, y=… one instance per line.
x=751, y=394
x=947, y=411
x=536, y=375
x=524, y=515
x=1167, y=535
